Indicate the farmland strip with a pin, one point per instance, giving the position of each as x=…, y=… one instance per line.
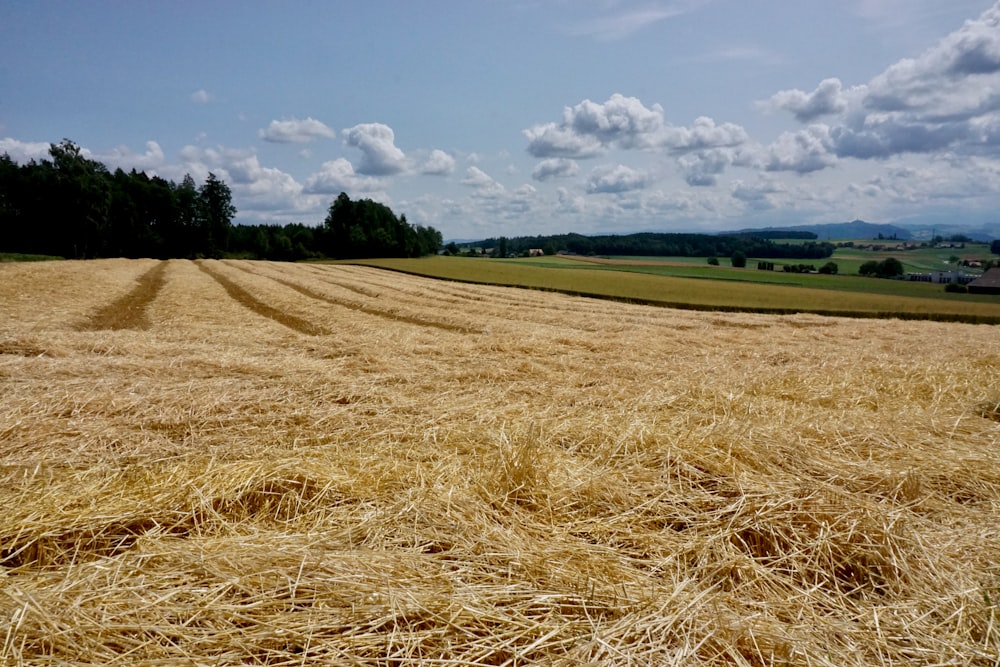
x=129, y=312
x=253, y=303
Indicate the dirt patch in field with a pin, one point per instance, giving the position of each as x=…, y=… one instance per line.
x=129, y=312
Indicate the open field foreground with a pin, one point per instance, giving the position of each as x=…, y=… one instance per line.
x=222, y=463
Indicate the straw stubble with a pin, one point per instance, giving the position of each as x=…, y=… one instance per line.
x=304, y=464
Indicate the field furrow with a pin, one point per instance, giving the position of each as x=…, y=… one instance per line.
x=129, y=312
x=397, y=316
x=248, y=300
x=326, y=464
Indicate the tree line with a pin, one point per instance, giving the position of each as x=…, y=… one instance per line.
x=74, y=207
x=662, y=245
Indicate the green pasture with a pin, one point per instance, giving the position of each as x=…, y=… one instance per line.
x=919, y=260
x=22, y=257
x=669, y=266
x=713, y=288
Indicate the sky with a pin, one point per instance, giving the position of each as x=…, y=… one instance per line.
x=521, y=117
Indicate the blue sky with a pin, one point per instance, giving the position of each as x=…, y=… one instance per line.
x=494, y=118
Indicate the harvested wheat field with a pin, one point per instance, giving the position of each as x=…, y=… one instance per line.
x=232, y=462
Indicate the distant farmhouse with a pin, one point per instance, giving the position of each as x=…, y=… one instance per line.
x=988, y=283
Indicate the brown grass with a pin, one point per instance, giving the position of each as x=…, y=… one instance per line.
x=545, y=480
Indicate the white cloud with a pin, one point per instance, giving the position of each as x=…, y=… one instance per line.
x=554, y=168
x=803, y=151
x=438, y=163
x=703, y=167
x=590, y=129
x=380, y=156
x=616, y=178
x=266, y=188
x=484, y=184
x=704, y=133
x=946, y=99
x=24, y=151
x=260, y=193
x=338, y=176
x=296, y=131
x=622, y=121
x=202, y=96
x=126, y=158
x=828, y=98
x=551, y=140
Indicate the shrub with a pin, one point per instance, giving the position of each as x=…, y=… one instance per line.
x=714, y=261
x=955, y=287
x=887, y=268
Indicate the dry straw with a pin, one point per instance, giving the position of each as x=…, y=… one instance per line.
x=247, y=463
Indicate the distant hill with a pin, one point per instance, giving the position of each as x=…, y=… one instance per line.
x=856, y=229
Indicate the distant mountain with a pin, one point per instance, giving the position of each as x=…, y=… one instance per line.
x=926, y=230
x=856, y=229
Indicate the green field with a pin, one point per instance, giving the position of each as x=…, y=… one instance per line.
x=707, y=287
x=22, y=257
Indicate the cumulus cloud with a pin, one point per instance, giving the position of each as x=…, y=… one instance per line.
x=589, y=129
x=338, y=176
x=377, y=142
x=946, y=99
x=295, y=131
x=202, y=96
x=260, y=192
x=484, y=184
x=264, y=188
x=24, y=151
x=552, y=140
x=880, y=137
x=623, y=121
x=554, y=168
x=438, y=163
x=703, y=168
x=704, y=133
x=616, y=178
x=803, y=152
x=955, y=81
x=126, y=158
x=828, y=98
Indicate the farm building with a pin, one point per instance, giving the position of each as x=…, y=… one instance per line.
x=942, y=277
x=988, y=283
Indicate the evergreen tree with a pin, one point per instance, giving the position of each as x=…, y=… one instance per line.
x=215, y=214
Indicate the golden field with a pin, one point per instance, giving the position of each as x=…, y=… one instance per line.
x=233, y=462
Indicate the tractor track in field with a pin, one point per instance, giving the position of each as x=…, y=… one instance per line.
x=248, y=300
x=129, y=312
x=368, y=310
